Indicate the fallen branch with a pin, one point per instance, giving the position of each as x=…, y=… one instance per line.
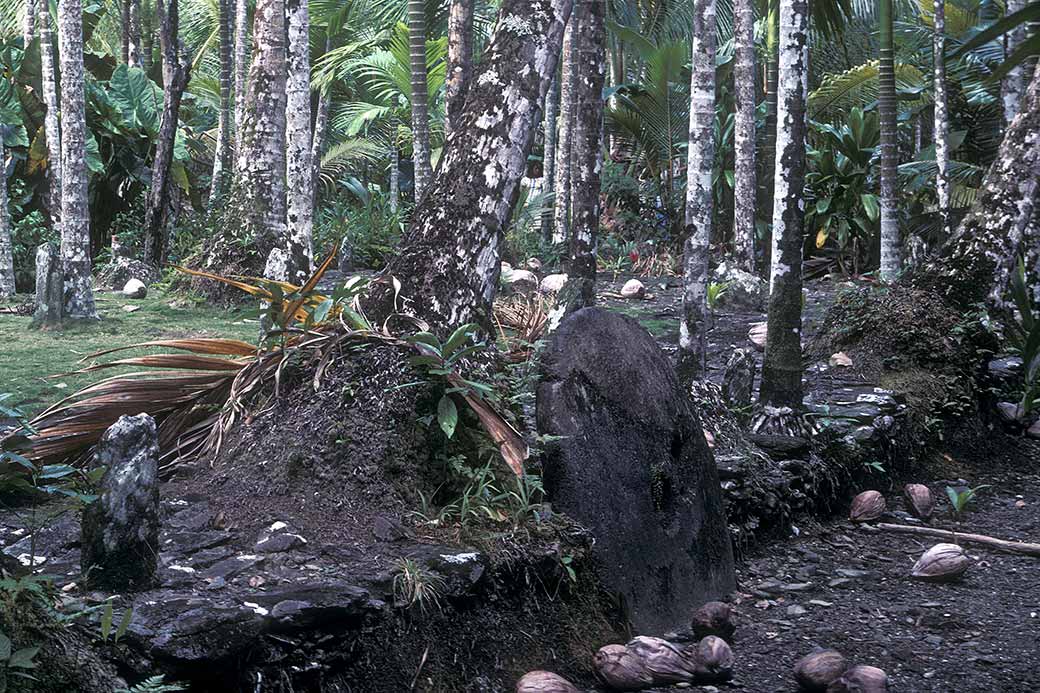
x=960, y=538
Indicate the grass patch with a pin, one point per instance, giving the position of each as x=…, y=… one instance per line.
x=29, y=358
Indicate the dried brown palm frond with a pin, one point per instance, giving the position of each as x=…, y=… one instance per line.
x=659, y=264
x=521, y=322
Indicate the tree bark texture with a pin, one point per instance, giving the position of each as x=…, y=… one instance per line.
x=75, y=217
x=1015, y=83
x=590, y=39
x=6, y=247
x=891, y=242
x=124, y=29
x=744, y=183
x=260, y=166
x=699, y=200
x=768, y=153
x=147, y=38
x=29, y=22
x=449, y=263
x=176, y=71
x=241, y=64
x=552, y=109
x=942, y=117
x=782, y=365
x=562, y=184
x=976, y=263
x=222, y=152
x=299, y=173
x=51, y=121
x=460, y=60
x=395, y=177
x=133, y=31
x=420, y=97
x=321, y=127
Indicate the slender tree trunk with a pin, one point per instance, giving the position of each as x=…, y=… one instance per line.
x=241, y=64
x=552, y=107
x=6, y=247
x=562, y=185
x=460, y=60
x=260, y=166
x=693, y=326
x=891, y=243
x=299, y=141
x=29, y=22
x=51, y=121
x=75, y=217
x=942, y=117
x=449, y=265
x=133, y=32
x=590, y=39
x=395, y=176
x=782, y=366
x=176, y=71
x=768, y=157
x=147, y=36
x=420, y=97
x=321, y=126
x=745, y=185
x=124, y=29
x=1017, y=79
x=222, y=153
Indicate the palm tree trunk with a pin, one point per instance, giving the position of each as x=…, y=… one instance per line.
x=321, y=126
x=124, y=29
x=1017, y=79
x=478, y=181
x=133, y=32
x=299, y=140
x=395, y=176
x=768, y=158
x=6, y=247
x=891, y=244
x=693, y=326
x=744, y=188
x=222, y=153
x=147, y=37
x=75, y=217
x=460, y=60
x=176, y=70
x=51, y=121
x=562, y=185
x=29, y=23
x=782, y=366
x=589, y=18
x=552, y=108
x=260, y=165
x=942, y=117
x=420, y=97
x=241, y=63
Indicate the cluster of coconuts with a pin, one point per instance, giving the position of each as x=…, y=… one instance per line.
x=647, y=661
x=827, y=671
x=942, y=562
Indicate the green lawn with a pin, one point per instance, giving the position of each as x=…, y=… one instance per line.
x=29, y=357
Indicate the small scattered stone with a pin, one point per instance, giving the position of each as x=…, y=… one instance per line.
x=839, y=360
x=553, y=283
x=131, y=309
x=135, y=288
x=633, y=289
x=1034, y=430
x=796, y=610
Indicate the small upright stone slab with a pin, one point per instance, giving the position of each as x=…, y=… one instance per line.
x=121, y=529
x=49, y=285
x=632, y=465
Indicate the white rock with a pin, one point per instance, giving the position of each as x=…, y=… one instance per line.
x=744, y=290
x=633, y=288
x=757, y=335
x=552, y=283
x=534, y=264
x=521, y=280
x=840, y=359
x=135, y=288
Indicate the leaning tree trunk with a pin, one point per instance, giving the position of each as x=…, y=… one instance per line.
x=744, y=183
x=321, y=127
x=6, y=247
x=176, y=69
x=75, y=217
x=976, y=263
x=942, y=117
x=420, y=97
x=782, y=366
x=241, y=64
x=449, y=263
x=260, y=170
x=51, y=121
x=133, y=31
x=29, y=22
x=222, y=153
x=562, y=184
x=460, y=60
x=693, y=326
x=299, y=172
x=590, y=39
x=552, y=107
x=891, y=245
x=1017, y=79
